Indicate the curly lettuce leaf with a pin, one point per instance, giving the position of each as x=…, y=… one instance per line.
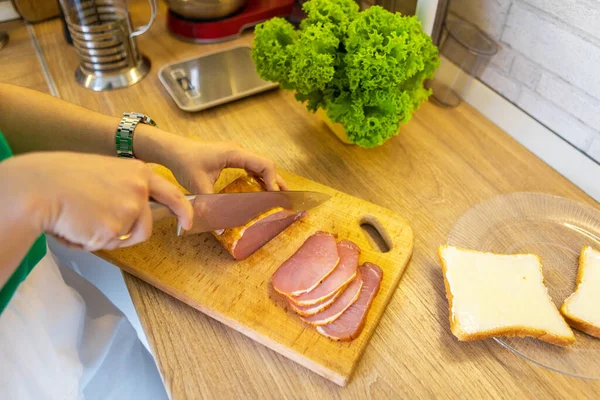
x=369, y=118
x=270, y=50
x=313, y=57
x=335, y=14
x=384, y=49
x=365, y=69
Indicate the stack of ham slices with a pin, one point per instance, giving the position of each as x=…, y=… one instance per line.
x=322, y=281
x=324, y=284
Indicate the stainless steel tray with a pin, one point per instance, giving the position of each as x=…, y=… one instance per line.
x=212, y=79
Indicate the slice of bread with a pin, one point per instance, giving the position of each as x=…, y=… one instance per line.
x=582, y=308
x=500, y=295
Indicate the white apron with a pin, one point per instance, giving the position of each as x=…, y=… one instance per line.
x=61, y=338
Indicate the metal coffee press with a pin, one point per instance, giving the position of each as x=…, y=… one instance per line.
x=105, y=41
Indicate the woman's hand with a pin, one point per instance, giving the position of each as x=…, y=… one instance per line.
x=88, y=200
x=198, y=165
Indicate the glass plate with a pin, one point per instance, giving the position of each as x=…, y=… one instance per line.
x=556, y=229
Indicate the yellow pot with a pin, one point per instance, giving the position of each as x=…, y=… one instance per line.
x=335, y=127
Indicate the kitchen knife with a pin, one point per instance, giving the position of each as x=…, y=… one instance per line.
x=214, y=212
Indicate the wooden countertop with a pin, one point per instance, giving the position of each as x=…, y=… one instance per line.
x=19, y=64
x=443, y=162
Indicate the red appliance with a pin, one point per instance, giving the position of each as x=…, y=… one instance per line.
x=202, y=31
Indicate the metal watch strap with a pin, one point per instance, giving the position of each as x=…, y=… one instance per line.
x=124, y=137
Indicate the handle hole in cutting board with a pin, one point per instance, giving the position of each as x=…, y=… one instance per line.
x=377, y=235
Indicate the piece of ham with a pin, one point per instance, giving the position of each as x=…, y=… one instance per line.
x=341, y=277
x=349, y=325
x=313, y=309
x=341, y=304
x=243, y=241
x=308, y=266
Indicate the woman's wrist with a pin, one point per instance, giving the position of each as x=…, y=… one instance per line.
x=153, y=145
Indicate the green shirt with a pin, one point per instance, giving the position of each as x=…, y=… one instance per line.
x=36, y=253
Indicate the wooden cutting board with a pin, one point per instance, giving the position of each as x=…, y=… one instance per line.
x=197, y=270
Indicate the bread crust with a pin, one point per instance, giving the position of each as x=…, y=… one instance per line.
x=572, y=320
x=582, y=265
x=512, y=331
x=580, y=324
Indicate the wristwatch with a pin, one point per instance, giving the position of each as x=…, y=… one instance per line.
x=124, y=137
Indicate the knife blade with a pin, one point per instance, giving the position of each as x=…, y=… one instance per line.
x=214, y=212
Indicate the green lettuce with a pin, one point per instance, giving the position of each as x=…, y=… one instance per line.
x=364, y=69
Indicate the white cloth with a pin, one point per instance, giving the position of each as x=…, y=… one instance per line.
x=61, y=338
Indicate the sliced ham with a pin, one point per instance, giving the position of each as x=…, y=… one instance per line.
x=243, y=241
x=349, y=325
x=337, y=308
x=308, y=267
x=341, y=277
x=313, y=309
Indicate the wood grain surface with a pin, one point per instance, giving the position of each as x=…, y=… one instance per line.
x=18, y=62
x=197, y=270
x=442, y=163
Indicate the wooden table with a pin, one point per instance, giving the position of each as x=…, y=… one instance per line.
x=19, y=64
x=443, y=162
